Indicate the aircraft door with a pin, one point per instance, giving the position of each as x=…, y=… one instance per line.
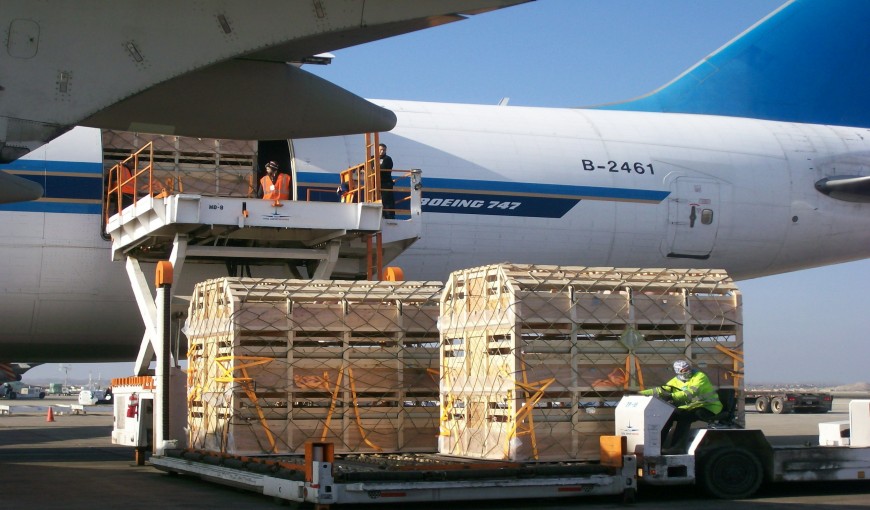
x=693, y=218
x=281, y=152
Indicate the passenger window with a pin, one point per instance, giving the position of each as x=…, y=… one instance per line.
x=706, y=216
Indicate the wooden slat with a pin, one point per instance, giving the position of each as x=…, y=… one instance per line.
x=508, y=329
x=300, y=338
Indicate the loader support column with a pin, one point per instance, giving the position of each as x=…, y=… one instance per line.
x=163, y=283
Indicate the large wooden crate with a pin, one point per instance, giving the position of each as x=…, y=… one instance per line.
x=275, y=363
x=202, y=166
x=567, y=343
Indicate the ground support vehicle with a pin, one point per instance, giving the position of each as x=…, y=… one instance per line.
x=780, y=402
x=15, y=390
x=728, y=463
x=733, y=463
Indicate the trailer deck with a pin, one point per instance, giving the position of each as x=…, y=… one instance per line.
x=357, y=479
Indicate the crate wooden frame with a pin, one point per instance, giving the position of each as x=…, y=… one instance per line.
x=567, y=342
x=274, y=363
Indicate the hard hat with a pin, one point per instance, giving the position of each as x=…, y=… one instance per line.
x=272, y=164
x=682, y=366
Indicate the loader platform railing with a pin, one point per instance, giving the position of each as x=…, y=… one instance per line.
x=161, y=173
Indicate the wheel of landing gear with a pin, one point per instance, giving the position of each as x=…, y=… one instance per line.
x=762, y=405
x=731, y=473
x=777, y=405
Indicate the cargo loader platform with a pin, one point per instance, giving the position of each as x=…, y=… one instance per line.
x=332, y=235
x=172, y=205
x=174, y=211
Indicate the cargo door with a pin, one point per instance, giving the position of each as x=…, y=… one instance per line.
x=693, y=218
x=281, y=152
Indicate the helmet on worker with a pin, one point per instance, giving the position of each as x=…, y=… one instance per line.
x=683, y=369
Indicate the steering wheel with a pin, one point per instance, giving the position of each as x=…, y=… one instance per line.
x=668, y=397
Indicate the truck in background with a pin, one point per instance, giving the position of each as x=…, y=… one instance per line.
x=782, y=401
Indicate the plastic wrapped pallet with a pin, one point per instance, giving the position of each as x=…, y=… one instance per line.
x=273, y=364
x=535, y=358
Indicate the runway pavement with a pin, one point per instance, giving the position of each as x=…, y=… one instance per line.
x=71, y=464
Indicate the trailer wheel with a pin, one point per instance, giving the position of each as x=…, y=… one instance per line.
x=731, y=473
x=762, y=405
x=777, y=405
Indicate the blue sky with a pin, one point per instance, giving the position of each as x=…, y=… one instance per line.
x=807, y=326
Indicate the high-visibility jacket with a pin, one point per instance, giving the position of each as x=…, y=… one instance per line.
x=128, y=187
x=277, y=190
x=697, y=392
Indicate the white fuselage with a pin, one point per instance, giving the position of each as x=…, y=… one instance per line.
x=754, y=177
x=526, y=185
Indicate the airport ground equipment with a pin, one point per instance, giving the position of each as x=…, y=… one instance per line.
x=733, y=463
x=781, y=401
x=727, y=463
x=18, y=390
x=134, y=404
x=175, y=207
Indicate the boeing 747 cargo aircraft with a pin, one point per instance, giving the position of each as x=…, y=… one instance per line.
x=746, y=162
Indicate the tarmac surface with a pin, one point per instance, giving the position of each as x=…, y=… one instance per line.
x=70, y=463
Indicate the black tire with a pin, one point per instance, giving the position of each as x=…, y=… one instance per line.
x=731, y=473
x=41, y=394
x=777, y=405
x=762, y=405
x=629, y=496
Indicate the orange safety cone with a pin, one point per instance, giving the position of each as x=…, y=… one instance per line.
x=50, y=415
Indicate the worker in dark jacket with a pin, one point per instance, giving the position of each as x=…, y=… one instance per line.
x=695, y=397
x=388, y=201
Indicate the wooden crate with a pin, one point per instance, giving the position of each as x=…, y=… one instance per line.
x=568, y=342
x=274, y=363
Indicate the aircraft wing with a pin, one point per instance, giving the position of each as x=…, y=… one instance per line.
x=97, y=62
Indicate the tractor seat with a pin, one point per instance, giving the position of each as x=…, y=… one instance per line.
x=727, y=417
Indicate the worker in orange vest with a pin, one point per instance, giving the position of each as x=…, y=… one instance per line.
x=124, y=178
x=274, y=185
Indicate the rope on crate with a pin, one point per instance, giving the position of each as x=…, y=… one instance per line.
x=736, y=356
x=638, y=369
x=533, y=393
x=447, y=408
x=247, y=385
x=363, y=432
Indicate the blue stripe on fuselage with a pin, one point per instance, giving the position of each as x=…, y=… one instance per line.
x=80, y=194
x=47, y=206
x=53, y=166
